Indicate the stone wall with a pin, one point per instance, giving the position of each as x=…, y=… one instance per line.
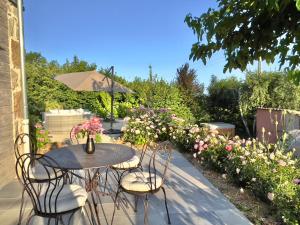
x=10, y=88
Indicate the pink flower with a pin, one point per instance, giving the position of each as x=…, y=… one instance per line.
x=228, y=148
x=296, y=181
x=42, y=131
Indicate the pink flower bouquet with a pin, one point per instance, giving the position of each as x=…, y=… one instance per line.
x=92, y=128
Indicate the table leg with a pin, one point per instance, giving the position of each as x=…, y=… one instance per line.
x=90, y=186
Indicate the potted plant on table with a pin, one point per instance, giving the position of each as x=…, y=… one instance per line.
x=92, y=129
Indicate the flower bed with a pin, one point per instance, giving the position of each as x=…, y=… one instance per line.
x=265, y=169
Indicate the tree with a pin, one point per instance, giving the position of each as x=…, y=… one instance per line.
x=192, y=91
x=247, y=30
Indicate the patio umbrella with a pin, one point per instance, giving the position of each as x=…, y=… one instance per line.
x=94, y=81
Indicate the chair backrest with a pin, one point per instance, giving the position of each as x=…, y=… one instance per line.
x=160, y=157
x=144, y=149
x=73, y=137
x=21, y=140
x=43, y=193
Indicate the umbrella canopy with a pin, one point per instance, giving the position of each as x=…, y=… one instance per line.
x=91, y=81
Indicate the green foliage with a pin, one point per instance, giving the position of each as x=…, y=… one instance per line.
x=247, y=30
x=230, y=99
x=45, y=93
x=52, y=105
x=42, y=136
x=294, y=76
x=222, y=99
x=160, y=94
x=192, y=91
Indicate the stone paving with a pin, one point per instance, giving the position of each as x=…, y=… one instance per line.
x=192, y=199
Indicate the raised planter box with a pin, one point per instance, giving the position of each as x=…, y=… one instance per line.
x=226, y=129
x=60, y=122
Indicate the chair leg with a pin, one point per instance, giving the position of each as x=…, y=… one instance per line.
x=92, y=213
x=70, y=218
x=115, y=202
x=106, y=174
x=136, y=199
x=86, y=212
x=146, y=210
x=21, y=208
x=60, y=219
x=166, y=204
x=30, y=217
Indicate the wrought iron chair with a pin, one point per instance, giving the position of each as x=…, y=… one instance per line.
x=135, y=163
x=38, y=173
x=53, y=196
x=145, y=183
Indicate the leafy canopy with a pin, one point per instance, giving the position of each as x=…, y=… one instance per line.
x=247, y=30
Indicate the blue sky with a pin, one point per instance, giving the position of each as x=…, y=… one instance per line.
x=129, y=34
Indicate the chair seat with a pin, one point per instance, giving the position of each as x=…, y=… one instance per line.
x=70, y=197
x=131, y=163
x=38, y=172
x=140, y=182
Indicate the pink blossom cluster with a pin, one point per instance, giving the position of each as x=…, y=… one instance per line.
x=90, y=127
x=200, y=146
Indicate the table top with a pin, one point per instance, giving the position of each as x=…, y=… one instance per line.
x=74, y=156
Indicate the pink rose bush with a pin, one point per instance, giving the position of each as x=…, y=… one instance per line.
x=268, y=170
x=92, y=127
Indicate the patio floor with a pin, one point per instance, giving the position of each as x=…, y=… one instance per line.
x=192, y=199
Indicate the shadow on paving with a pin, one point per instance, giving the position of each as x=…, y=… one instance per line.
x=192, y=200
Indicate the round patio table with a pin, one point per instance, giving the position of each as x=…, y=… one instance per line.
x=74, y=157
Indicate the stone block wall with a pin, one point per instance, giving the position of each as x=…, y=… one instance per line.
x=10, y=89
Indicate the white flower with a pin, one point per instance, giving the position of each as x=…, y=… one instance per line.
x=123, y=129
x=148, y=128
x=156, y=136
x=127, y=118
x=253, y=179
x=224, y=175
x=174, y=137
x=152, y=126
x=271, y=196
x=272, y=156
x=163, y=129
x=137, y=132
x=195, y=155
x=247, y=153
x=242, y=190
x=244, y=162
x=237, y=170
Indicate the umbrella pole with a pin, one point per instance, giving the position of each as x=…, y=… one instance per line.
x=111, y=130
x=112, y=98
